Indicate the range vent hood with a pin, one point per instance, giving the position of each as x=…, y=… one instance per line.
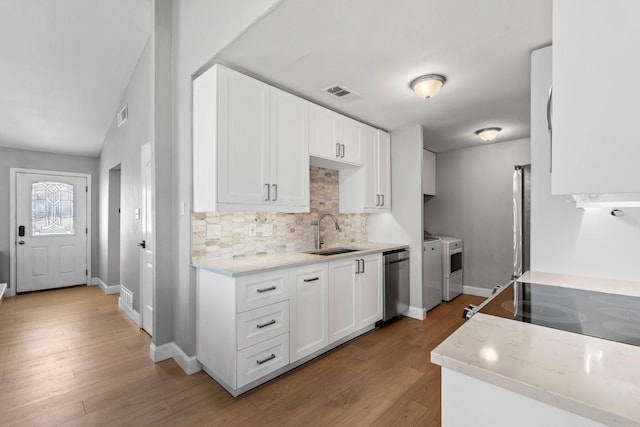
x=608, y=201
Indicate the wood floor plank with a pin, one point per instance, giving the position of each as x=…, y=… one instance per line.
x=72, y=357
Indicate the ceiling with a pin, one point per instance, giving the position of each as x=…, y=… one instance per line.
x=65, y=68
x=376, y=47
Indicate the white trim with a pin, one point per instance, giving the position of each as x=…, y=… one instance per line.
x=474, y=290
x=12, y=219
x=189, y=364
x=418, y=313
x=133, y=315
x=107, y=289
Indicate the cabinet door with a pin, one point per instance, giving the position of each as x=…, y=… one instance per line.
x=370, y=310
x=289, y=150
x=384, y=168
x=309, y=311
x=348, y=136
x=322, y=138
x=342, y=299
x=370, y=157
x=243, y=138
x=595, y=97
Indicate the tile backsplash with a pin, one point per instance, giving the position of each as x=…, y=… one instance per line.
x=292, y=232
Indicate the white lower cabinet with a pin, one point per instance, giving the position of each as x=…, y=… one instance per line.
x=309, y=311
x=355, y=295
x=250, y=328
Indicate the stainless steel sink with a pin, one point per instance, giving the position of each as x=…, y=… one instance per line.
x=334, y=251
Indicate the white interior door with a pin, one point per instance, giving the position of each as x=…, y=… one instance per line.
x=51, y=231
x=147, y=243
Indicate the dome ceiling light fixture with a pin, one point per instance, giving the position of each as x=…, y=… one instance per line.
x=428, y=85
x=488, y=134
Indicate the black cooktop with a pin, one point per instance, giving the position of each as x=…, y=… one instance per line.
x=597, y=314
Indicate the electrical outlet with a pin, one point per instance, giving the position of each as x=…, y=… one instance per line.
x=267, y=230
x=213, y=231
x=252, y=230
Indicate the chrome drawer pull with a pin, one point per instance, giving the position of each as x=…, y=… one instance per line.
x=264, y=325
x=260, y=362
x=271, y=288
x=312, y=280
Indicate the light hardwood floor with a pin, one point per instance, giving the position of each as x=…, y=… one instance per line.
x=71, y=357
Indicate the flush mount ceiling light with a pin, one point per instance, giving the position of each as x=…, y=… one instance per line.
x=428, y=85
x=488, y=134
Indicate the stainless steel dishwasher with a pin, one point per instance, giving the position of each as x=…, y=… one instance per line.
x=396, y=283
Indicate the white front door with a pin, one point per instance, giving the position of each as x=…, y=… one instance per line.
x=146, y=243
x=51, y=231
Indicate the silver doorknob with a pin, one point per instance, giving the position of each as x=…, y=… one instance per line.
x=21, y=242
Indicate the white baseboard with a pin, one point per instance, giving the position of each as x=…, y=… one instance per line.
x=189, y=364
x=113, y=289
x=474, y=290
x=133, y=315
x=418, y=313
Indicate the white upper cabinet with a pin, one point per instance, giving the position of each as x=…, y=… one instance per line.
x=428, y=173
x=289, y=163
x=334, y=137
x=368, y=189
x=595, y=105
x=250, y=145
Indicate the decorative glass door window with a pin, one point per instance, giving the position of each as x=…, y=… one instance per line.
x=51, y=208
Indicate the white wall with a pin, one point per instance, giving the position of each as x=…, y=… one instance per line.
x=565, y=239
x=404, y=223
x=200, y=29
x=14, y=158
x=474, y=194
x=122, y=146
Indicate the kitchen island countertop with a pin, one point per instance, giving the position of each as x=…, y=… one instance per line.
x=592, y=377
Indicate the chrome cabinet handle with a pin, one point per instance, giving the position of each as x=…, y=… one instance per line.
x=271, y=288
x=382, y=196
x=337, y=149
x=357, y=266
x=362, y=270
x=268, y=192
x=264, y=325
x=550, y=126
x=342, y=155
x=377, y=200
x=275, y=192
x=311, y=280
x=260, y=362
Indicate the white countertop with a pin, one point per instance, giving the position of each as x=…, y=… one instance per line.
x=258, y=263
x=592, y=377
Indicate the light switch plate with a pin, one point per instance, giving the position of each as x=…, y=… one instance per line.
x=213, y=231
x=267, y=230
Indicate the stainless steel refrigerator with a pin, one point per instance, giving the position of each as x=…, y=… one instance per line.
x=521, y=219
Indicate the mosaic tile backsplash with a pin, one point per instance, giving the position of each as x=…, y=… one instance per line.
x=292, y=232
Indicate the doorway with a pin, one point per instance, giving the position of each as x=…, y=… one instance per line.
x=147, y=243
x=50, y=229
x=113, y=238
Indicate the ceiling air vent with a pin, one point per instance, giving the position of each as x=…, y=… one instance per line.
x=123, y=115
x=339, y=91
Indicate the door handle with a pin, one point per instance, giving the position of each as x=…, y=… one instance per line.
x=382, y=197
x=268, y=193
x=342, y=155
x=275, y=192
x=143, y=244
x=362, y=270
x=21, y=242
x=357, y=266
x=337, y=149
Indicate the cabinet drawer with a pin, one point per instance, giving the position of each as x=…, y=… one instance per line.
x=258, y=325
x=261, y=359
x=261, y=289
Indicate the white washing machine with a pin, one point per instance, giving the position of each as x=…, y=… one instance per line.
x=431, y=272
x=452, y=274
